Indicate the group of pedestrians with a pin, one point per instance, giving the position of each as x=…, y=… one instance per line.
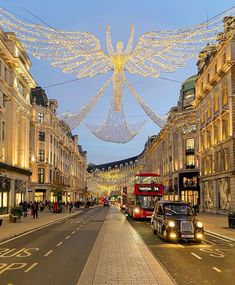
x=33, y=207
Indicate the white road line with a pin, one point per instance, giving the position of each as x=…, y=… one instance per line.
x=216, y=269
x=67, y=237
x=73, y=232
x=180, y=245
x=58, y=244
x=197, y=256
x=218, y=237
x=78, y=228
x=210, y=242
x=31, y=267
x=49, y=252
x=36, y=229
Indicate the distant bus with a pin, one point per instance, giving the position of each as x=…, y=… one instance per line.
x=148, y=189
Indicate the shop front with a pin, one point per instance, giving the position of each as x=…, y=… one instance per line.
x=5, y=185
x=20, y=191
x=40, y=195
x=189, y=188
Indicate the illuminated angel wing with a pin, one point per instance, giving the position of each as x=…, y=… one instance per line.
x=165, y=51
x=73, y=52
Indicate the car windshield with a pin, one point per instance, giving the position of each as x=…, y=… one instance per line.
x=178, y=209
x=146, y=202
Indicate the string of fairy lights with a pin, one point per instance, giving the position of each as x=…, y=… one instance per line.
x=109, y=180
x=81, y=53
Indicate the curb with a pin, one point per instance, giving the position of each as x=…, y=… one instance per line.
x=220, y=236
x=9, y=238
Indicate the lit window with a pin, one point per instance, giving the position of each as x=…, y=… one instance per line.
x=209, y=111
x=225, y=128
x=208, y=135
x=190, y=161
x=216, y=134
x=225, y=96
x=41, y=155
x=41, y=175
x=40, y=117
x=216, y=102
x=190, y=144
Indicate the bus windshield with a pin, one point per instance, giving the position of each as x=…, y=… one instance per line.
x=145, y=202
x=148, y=180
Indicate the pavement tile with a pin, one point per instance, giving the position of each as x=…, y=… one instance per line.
x=120, y=259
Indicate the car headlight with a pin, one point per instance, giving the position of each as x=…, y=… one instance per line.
x=171, y=224
x=136, y=210
x=199, y=224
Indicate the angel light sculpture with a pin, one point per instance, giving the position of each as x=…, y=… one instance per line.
x=81, y=53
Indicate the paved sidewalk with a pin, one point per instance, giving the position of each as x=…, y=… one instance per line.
x=119, y=256
x=217, y=224
x=9, y=230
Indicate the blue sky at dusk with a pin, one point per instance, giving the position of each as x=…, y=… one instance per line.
x=93, y=16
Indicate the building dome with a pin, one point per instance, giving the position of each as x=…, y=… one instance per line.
x=189, y=83
x=187, y=92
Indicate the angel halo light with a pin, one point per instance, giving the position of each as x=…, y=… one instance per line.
x=81, y=53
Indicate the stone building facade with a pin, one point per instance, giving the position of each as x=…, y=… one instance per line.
x=215, y=101
x=15, y=85
x=173, y=152
x=56, y=159
x=31, y=161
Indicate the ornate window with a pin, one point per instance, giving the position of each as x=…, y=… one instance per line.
x=40, y=117
x=216, y=134
x=225, y=95
x=41, y=175
x=190, y=161
x=216, y=103
x=225, y=128
x=41, y=155
x=189, y=144
x=41, y=136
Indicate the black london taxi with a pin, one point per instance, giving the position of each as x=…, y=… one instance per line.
x=175, y=220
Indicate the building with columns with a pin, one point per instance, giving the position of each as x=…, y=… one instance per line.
x=56, y=159
x=37, y=149
x=15, y=85
x=173, y=152
x=215, y=101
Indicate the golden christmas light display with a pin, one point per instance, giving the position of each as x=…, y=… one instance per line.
x=80, y=53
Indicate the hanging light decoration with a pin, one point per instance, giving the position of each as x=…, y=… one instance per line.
x=80, y=53
x=109, y=180
x=160, y=121
x=74, y=119
x=115, y=128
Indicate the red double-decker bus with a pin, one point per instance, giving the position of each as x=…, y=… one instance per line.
x=148, y=189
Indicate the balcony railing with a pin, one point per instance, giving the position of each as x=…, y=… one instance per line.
x=190, y=166
x=189, y=151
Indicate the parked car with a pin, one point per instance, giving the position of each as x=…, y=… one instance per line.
x=174, y=221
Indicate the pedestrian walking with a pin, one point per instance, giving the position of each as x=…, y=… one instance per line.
x=25, y=208
x=70, y=207
x=35, y=210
